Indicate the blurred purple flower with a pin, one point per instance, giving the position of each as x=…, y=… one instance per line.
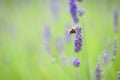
x=118, y=77
x=46, y=35
x=118, y=73
x=73, y=10
x=78, y=40
x=46, y=40
x=47, y=32
x=106, y=56
x=115, y=19
x=115, y=47
x=60, y=49
x=106, y=53
x=98, y=70
x=76, y=62
x=60, y=45
x=55, y=8
x=81, y=12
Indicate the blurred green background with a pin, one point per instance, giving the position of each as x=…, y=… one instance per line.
x=22, y=51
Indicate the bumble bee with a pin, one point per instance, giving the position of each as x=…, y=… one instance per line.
x=72, y=30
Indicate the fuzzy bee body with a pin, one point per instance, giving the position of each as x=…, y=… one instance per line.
x=72, y=31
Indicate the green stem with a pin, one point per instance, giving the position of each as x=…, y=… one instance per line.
x=108, y=71
x=78, y=75
x=86, y=54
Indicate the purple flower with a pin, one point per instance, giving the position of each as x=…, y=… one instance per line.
x=76, y=62
x=115, y=47
x=77, y=49
x=81, y=42
x=46, y=39
x=98, y=70
x=77, y=43
x=106, y=56
x=55, y=9
x=115, y=18
x=81, y=12
x=79, y=36
x=47, y=32
x=60, y=45
x=118, y=72
x=78, y=40
x=98, y=74
x=73, y=10
x=118, y=77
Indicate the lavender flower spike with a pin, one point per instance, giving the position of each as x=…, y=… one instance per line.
x=106, y=56
x=78, y=40
x=118, y=75
x=115, y=18
x=60, y=45
x=73, y=10
x=76, y=62
x=118, y=72
x=47, y=32
x=98, y=70
x=115, y=47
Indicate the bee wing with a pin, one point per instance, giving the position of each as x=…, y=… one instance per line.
x=67, y=28
x=68, y=36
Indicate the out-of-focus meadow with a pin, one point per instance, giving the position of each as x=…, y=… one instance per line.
x=23, y=51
